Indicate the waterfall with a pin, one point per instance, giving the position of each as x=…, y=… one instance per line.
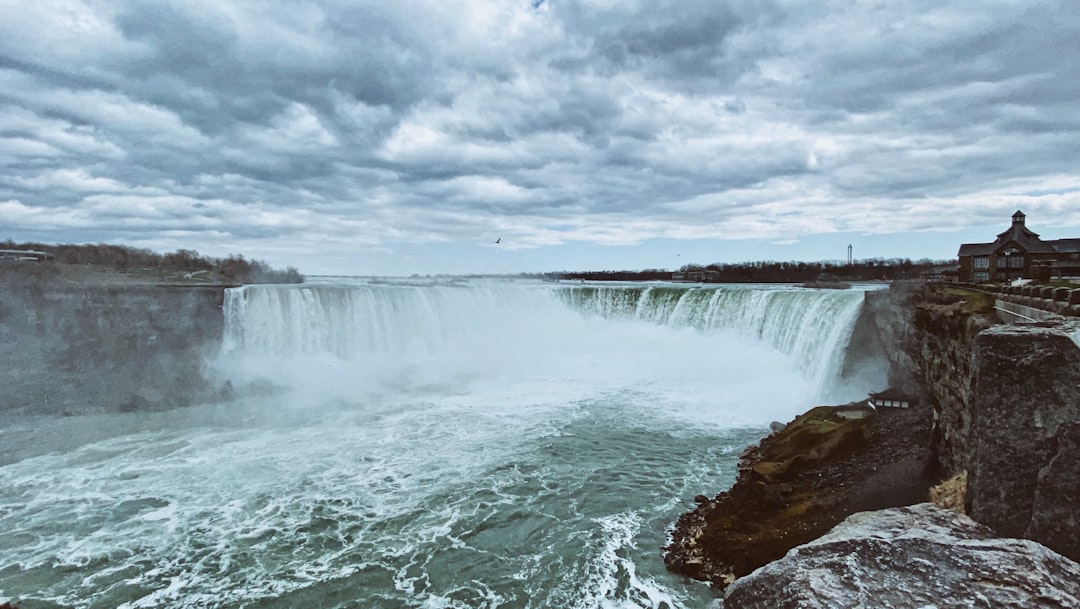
x=463, y=321
x=812, y=326
x=354, y=320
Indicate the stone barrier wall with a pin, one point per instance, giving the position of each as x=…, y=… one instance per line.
x=1056, y=300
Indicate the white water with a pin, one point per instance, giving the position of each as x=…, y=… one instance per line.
x=812, y=327
x=487, y=444
x=729, y=339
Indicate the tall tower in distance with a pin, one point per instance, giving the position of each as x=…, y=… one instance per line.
x=849, y=254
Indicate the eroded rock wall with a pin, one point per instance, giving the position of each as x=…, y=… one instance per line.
x=929, y=343
x=1024, y=470
x=86, y=349
x=1006, y=408
x=890, y=313
x=943, y=351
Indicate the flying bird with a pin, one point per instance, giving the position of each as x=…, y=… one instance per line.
x=498, y=240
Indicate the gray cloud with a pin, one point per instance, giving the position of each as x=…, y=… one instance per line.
x=372, y=126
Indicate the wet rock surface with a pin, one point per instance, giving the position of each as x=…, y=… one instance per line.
x=917, y=556
x=799, y=483
x=1024, y=475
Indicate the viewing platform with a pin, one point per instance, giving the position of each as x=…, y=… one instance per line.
x=1015, y=303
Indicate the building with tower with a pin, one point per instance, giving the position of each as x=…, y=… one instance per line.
x=1019, y=253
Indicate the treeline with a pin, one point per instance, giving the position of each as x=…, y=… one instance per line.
x=232, y=269
x=780, y=272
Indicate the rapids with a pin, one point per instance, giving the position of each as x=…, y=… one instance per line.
x=436, y=444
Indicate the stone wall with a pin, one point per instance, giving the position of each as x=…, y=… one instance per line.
x=1006, y=407
x=72, y=349
x=943, y=351
x=1057, y=300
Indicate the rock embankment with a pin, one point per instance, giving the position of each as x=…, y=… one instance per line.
x=1024, y=442
x=79, y=349
x=800, y=482
x=1005, y=408
x=918, y=556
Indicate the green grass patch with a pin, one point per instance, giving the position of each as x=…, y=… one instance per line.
x=976, y=302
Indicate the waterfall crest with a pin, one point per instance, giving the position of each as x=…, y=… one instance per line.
x=811, y=327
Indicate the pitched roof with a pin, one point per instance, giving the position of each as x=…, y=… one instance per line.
x=892, y=393
x=1066, y=246
x=1024, y=238
x=976, y=249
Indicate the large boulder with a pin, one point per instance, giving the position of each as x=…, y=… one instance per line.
x=911, y=557
x=1024, y=469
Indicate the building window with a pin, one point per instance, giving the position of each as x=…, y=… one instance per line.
x=982, y=262
x=1016, y=262
x=981, y=276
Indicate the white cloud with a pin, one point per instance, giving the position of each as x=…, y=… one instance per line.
x=378, y=127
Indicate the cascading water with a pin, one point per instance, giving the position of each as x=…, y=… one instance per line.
x=468, y=444
x=811, y=326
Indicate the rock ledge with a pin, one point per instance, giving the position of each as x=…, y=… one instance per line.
x=918, y=556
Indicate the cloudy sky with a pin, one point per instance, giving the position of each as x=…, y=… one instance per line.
x=375, y=137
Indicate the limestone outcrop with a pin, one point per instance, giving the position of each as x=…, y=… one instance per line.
x=911, y=557
x=1024, y=471
x=928, y=336
x=798, y=483
x=79, y=349
x=1006, y=407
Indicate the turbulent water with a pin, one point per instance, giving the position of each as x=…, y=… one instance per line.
x=465, y=444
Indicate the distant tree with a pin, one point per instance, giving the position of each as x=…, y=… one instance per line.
x=233, y=269
x=768, y=271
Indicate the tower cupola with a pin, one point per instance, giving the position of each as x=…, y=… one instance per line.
x=1018, y=218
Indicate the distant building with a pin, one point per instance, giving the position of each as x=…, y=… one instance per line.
x=1019, y=253
x=699, y=275
x=25, y=255
x=949, y=273
x=891, y=398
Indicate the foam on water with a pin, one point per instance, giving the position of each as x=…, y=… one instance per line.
x=348, y=340
x=451, y=446
x=812, y=327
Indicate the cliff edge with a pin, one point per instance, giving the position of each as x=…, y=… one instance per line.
x=800, y=482
x=81, y=347
x=1024, y=441
x=918, y=556
x=999, y=408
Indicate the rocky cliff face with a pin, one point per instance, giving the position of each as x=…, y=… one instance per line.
x=919, y=556
x=1024, y=469
x=1005, y=409
x=84, y=349
x=929, y=342
x=798, y=483
x=999, y=407
x=945, y=332
x=890, y=314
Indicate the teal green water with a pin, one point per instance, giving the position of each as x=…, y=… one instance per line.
x=460, y=445
x=394, y=503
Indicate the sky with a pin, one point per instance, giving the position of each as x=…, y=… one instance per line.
x=391, y=138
